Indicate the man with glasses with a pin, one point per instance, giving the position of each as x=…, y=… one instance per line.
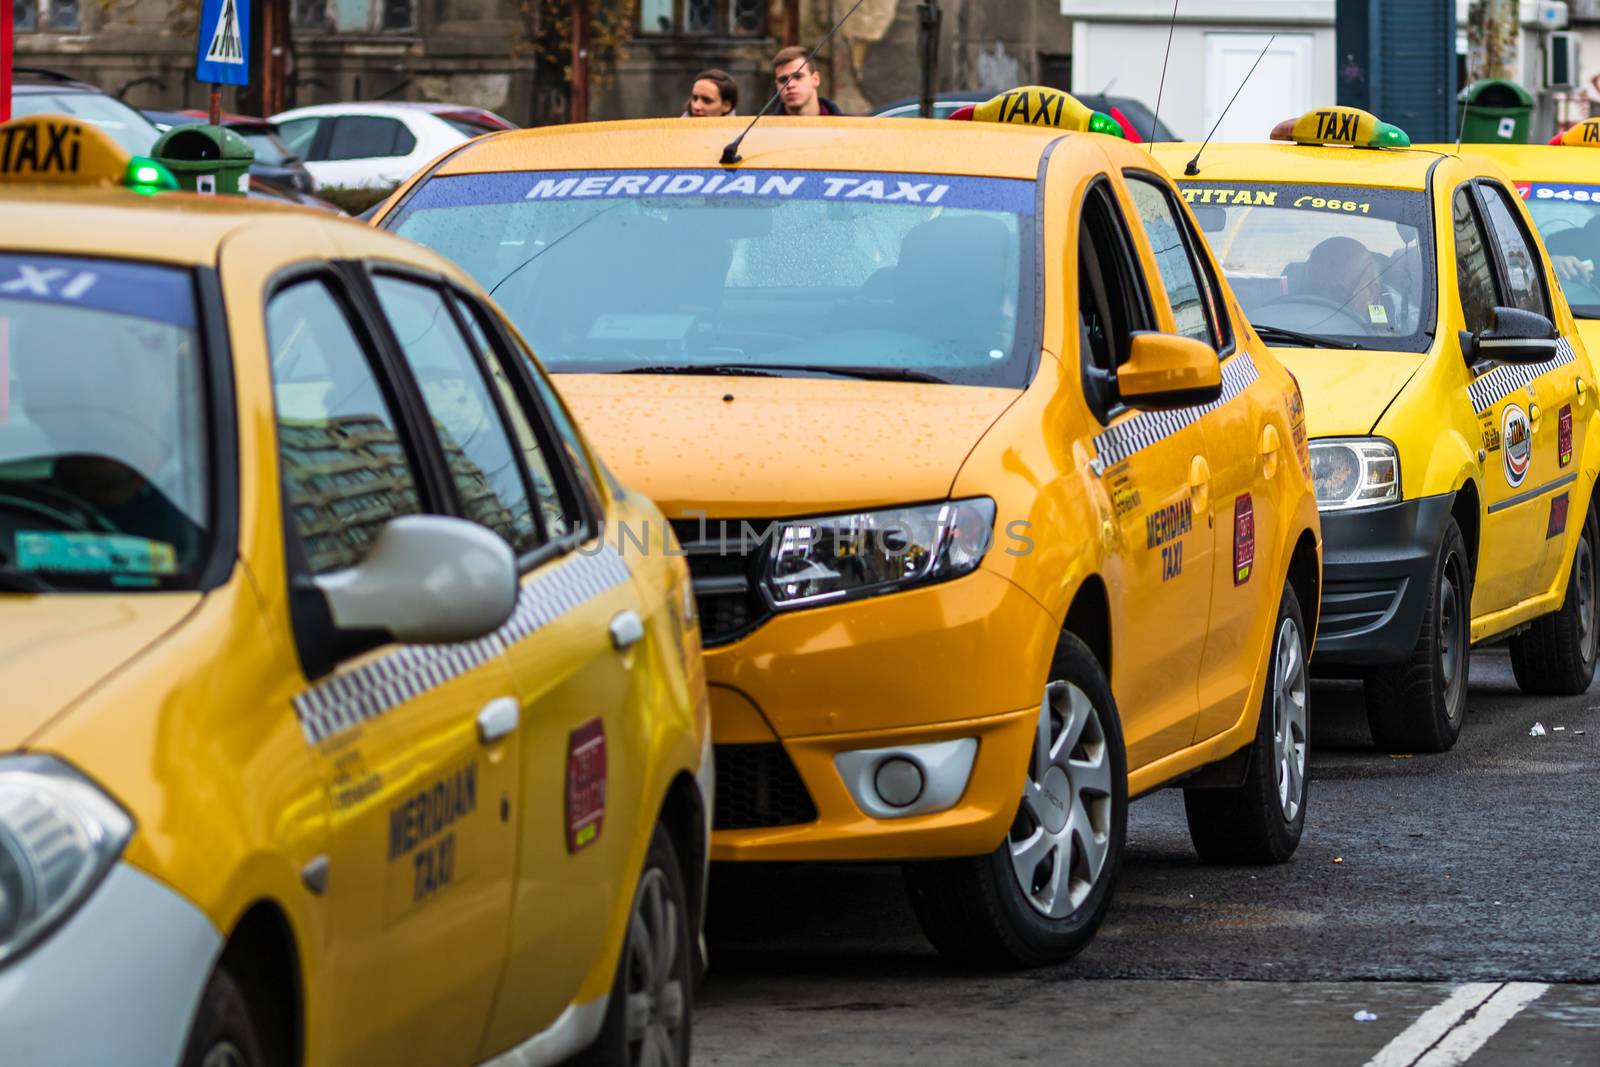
x=799, y=81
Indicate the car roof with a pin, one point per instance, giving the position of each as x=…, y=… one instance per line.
x=1537, y=162
x=183, y=229
x=354, y=107
x=38, y=79
x=778, y=143
x=1281, y=161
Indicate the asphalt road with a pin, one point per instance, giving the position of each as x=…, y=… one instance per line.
x=1454, y=897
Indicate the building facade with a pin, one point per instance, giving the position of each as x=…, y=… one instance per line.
x=488, y=53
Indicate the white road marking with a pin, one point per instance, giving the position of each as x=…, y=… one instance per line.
x=1448, y=1033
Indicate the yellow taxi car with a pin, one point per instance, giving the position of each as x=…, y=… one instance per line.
x=334, y=733
x=1448, y=398
x=997, y=510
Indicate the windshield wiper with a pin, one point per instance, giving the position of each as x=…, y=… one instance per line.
x=1279, y=335
x=773, y=370
x=15, y=581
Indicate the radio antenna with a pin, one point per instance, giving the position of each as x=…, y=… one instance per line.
x=1155, y=116
x=730, y=154
x=1461, y=127
x=1194, y=164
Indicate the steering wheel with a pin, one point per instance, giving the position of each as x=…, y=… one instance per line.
x=1311, y=299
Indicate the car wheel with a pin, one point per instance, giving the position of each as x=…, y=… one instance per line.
x=649, y=1017
x=1260, y=821
x=1556, y=655
x=1419, y=705
x=224, y=1034
x=1040, y=896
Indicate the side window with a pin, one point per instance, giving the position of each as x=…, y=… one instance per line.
x=1474, y=272
x=1111, y=303
x=577, y=452
x=299, y=135
x=478, y=450
x=540, y=470
x=345, y=468
x=1518, y=254
x=369, y=137
x=1186, y=289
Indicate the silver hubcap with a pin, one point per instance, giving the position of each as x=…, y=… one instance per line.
x=1289, y=719
x=1452, y=635
x=1583, y=570
x=223, y=1054
x=1062, y=835
x=655, y=1005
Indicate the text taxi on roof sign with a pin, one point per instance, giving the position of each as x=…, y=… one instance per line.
x=997, y=511
x=57, y=150
x=1448, y=396
x=263, y=790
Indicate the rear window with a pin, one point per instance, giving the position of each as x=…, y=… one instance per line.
x=103, y=456
x=135, y=133
x=814, y=272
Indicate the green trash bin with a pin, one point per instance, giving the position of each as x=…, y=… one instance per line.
x=206, y=159
x=1497, y=112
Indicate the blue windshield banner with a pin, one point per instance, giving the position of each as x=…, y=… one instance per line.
x=1583, y=194
x=1009, y=195
x=146, y=291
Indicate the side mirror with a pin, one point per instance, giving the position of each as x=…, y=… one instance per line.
x=427, y=579
x=1516, y=336
x=1167, y=371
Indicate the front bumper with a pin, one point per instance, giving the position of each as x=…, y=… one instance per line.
x=946, y=662
x=117, y=984
x=1377, y=569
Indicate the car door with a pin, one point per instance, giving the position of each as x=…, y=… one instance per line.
x=1242, y=447
x=1505, y=399
x=1155, y=476
x=572, y=648
x=1557, y=416
x=416, y=882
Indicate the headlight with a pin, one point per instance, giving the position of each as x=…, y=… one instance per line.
x=841, y=556
x=58, y=836
x=1355, y=472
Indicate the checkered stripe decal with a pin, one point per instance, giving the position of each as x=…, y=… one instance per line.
x=1116, y=444
x=367, y=692
x=1490, y=388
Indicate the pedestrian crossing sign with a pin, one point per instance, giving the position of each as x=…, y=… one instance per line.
x=223, y=49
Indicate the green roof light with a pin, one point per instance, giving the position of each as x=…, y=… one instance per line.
x=1100, y=122
x=1388, y=135
x=145, y=175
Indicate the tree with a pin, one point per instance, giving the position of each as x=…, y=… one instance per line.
x=575, y=43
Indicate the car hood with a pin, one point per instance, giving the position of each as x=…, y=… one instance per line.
x=764, y=447
x=56, y=647
x=1346, y=392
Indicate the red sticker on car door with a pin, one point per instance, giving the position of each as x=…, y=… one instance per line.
x=1558, y=517
x=1564, y=435
x=586, y=784
x=1244, y=538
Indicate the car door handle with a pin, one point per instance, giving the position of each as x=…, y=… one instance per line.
x=1199, y=483
x=498, y=718
x=1534, y=412
x=626, y=630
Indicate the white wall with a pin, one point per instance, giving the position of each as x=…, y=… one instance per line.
x=1130, y=52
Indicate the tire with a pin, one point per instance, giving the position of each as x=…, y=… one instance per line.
x=1556, y=655
x=655, y=972
x=1419, y=705
x=1260, y=821
x=224, y=1033
x=975, y=910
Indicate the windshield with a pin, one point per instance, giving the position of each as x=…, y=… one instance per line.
x=268, y=148
x=863, y=275
x=1568, y=217
x=102, y=459
x=122, y=123
x=1349, y=264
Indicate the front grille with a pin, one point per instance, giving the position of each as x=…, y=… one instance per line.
x=757, y=786
x=726, y=561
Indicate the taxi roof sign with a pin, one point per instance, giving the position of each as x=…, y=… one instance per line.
x=50, y=149
x=1036, y=105
x=1585, y=134
x=1341, y=126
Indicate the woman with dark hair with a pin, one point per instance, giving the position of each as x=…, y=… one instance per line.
x=715, y=93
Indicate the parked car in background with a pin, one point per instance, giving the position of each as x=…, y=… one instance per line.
x=267, y=189
x=369, y=144
x=274, y=161
x=35, y=91
x=1128, y=112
